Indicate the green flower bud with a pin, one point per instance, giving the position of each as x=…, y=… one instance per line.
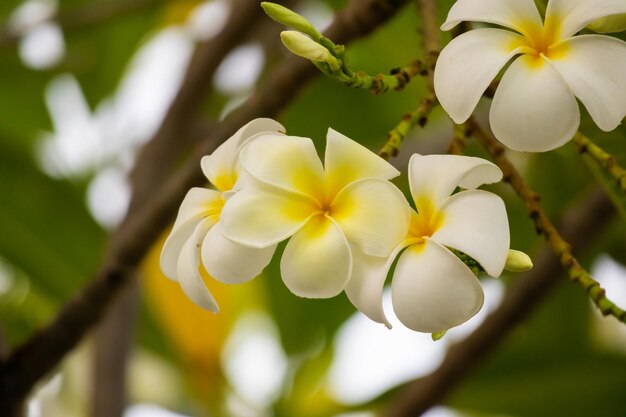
x=291, y=19
x=609, y=24
x=518, y=261
x=306, y=47
x=438, y=335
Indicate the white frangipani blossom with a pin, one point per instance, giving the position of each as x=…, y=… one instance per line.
x=432, y=289
x=330, y=212
x=534, y=108
x=197, y=230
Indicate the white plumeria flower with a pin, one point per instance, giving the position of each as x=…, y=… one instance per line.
x=534, y=108
x=326, y=210
x=432, y=290
x=197, y=231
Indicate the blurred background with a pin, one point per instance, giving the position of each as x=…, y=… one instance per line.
x=85, y=83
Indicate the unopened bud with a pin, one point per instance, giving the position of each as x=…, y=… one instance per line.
x=306, y=47
x=291, y=19
x=518, y=261
x=438, y=335
x=609, y=24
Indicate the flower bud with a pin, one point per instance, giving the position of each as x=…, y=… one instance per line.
x=609, y=24
x=438, y=335
x=306, y=47
x=518, y=261
x=291, y=19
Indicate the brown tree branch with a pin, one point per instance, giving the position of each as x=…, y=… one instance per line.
x=4, y=345
x=581, y=225
x=113, y=341
x=40, y=354
x=173, y=137
x=178, y=131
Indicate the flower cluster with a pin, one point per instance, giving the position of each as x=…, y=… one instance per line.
x=534, y=107
x=345, y=223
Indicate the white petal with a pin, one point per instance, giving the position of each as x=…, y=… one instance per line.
x=533, y=109
x=365, y=288
x=521, y=15
x=570, y=16
x=433, y=178
x=198, y=201
x=594, y=67
x=475, y=222
x=221, y=166
x=188, y=270
x=317, y=262
x=230, y=262
x=468, y=64
x=259, y=219
x=347, y=161
x=373, y=214
x=174, y=245
x=432, y=290
x=198, y=204
x=287, y=162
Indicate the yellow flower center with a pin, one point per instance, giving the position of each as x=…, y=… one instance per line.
x=427, y=221
x=542, y=42
x=225, y=181
x=214, y=208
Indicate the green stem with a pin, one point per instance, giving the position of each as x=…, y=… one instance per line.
x=459, y=134
x=560, y=246
x=409, y=120
x=431, y=44
x=603, y=158
x=380, y=83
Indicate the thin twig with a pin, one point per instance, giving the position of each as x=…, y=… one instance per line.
x=560, y=246
x=603, y=158
x=459, y=134
x=431, y=42
x=409, y=120
x=582, y=225
x=40, y=354
x=397, y=79
x=431, y=38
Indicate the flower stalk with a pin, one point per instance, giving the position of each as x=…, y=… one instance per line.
x=459, y=135
x=544, y=226
x=607, y=161
x=329, y=58
x=431, y=44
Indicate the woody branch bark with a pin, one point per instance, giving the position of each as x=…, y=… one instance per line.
x=176, y=134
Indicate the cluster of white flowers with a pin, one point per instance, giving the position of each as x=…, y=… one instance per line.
x=345, y=222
